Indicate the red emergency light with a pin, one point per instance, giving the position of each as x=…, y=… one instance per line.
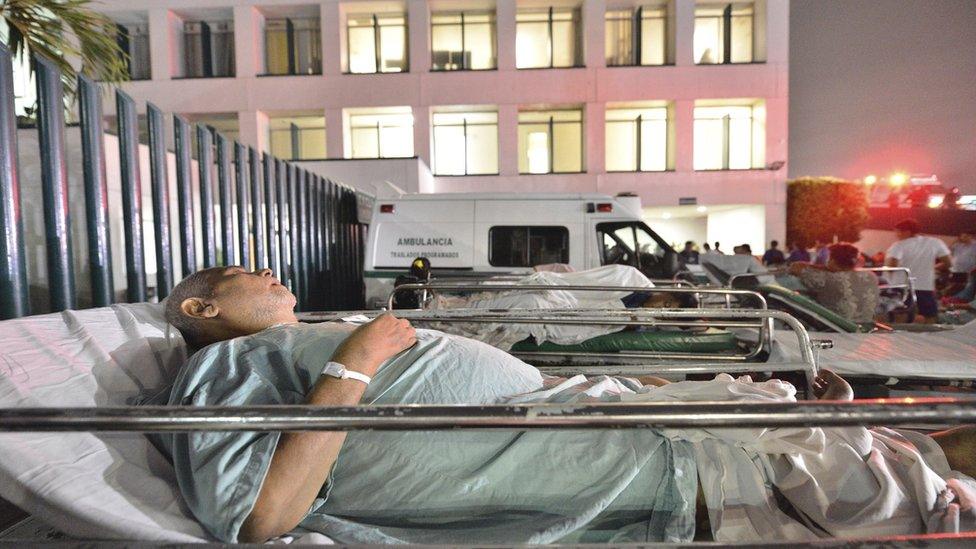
x=386, y=208
x=605, y=207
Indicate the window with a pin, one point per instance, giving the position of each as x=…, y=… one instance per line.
x=548, y=38
x=724, y=34
x=462, y=41
x=550, y=141
x=527, y=246
x=298, y=137
x=381, y=133
x=377, y=43
x=208, y=48
x=133, y=40
x=465, y=143
x=729, y=137
x=633, y=244
x=293, y=46
x=636, y=37
x=637, y=140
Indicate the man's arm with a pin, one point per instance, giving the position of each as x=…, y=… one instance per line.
x=891, y=262
x=943, y=262
x=302, y=460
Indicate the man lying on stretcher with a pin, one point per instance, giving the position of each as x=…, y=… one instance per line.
x=505, y=486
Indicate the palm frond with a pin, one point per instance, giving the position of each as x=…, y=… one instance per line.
x=65, y=31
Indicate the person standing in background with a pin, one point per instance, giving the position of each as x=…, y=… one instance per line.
x=717, y=250
x=919, y=254
x=963, y=262
x=822, y=254
x=798, y=252
x=773, y=256
x=689, y=256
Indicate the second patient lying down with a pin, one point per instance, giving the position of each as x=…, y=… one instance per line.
x=507, y=486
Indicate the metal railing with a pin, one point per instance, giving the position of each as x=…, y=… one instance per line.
x=299, y=223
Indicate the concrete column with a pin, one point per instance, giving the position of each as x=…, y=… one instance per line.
x=421, y=133
x=684, y=124
x=248, y=39
x=418, y=39
x=777, y=30
x=334, y=133
x=508, y=140
x=594, y=29
x=594, y=128
x=684, y=39
x=330, y=25
x=505, y=26
x=251, y=131
x=161, y=44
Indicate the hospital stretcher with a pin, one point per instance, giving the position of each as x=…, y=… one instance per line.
x=82, y=469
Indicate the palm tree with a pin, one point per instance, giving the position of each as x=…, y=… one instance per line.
x=65, y=31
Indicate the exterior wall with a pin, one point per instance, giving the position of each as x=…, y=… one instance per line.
x=507, y=88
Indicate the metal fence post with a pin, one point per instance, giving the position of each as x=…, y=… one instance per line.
x=184, y=195
x=205, y=167
x=257, y=204
x=269, y=173
x=226, y=209
x=281, y=190
x=54, y=185
x=159, y=180
x=301, y=188
x=135, y=260
x=14, y=299
x=96, y=192
x=318, y=294
x=294, y=240
x=240, y=178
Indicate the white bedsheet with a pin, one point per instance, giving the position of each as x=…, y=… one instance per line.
x=949, y=354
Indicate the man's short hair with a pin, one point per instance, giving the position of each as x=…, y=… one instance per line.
x=909, y=226
x=689, y=243
x=774, y=243
x=199, y=285
x=844, y=254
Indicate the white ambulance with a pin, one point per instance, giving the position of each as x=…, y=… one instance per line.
x=488, y=234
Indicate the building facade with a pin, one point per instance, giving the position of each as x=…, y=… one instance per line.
x=683, y=102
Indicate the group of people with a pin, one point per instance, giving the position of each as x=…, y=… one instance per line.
x=830, y=274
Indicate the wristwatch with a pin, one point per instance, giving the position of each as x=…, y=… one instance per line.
x=334, y=369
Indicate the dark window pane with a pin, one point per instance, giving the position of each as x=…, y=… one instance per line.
x=527, y=246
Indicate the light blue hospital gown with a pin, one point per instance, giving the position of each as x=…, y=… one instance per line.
x=485, y=486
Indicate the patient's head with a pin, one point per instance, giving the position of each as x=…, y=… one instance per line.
x=843, y=256
x=226, y=302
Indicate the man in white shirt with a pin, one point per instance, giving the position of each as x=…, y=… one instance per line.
x=963, y=262
x=919, y=254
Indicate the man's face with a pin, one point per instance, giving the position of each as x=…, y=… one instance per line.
x=902, y=235
x=251, y=298
x=965, y=238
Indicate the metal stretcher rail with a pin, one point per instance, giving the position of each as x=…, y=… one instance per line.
x=524, y=416
x=738, y=318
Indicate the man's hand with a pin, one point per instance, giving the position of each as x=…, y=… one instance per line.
x=830, y=386
x=372, y=344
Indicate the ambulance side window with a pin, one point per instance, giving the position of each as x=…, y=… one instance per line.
x=527, y=246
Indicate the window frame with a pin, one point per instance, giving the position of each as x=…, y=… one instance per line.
x=464, y=124
x=726, y=26
x=564, y=250
x=727, y=140
x=608, y=228
x=550, y=131
x=207, y=50
x=463, y=25
x=638, y=126
x=378, y=42
x=124, y=40
x=291, y=44
x=636, y=18
x=379, y=137
x=578, y=56
x=295, y=139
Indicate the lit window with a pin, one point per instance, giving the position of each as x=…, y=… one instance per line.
x=293, y=46
x=133, y=41
x=208, y=48
x=637, y=140
x=729, y=137
x=645, y=46
x=462, y=41
x=298, y=137
x=382, y=133
x=550, y=141
x=548, y=38
x=377, y=43
x=465, y=143
x=724, y=34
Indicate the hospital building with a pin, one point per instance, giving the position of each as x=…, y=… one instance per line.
x=683, y=102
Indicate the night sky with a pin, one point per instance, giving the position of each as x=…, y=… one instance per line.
x=883, y=85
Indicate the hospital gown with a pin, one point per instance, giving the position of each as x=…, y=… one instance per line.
x=494, y=486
